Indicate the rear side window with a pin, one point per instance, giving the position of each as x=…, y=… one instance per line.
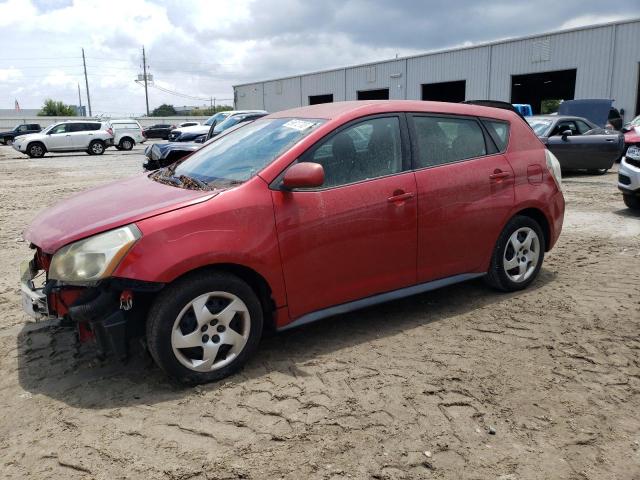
x=443, y=140
x=499, y=132
x=91, y=126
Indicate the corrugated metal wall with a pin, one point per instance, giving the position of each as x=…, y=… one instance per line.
x=471, y=65
x=606, y=58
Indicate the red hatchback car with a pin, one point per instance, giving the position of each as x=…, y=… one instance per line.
x=301, y=215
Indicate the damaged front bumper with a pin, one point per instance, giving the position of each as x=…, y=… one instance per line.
x=34, y=300
x=103, y=312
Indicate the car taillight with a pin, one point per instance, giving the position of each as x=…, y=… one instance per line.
x=110, y=131
x=173, y=126
x=553, y=166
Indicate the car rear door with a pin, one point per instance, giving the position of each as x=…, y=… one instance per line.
x=356, y=235
x=465, y=194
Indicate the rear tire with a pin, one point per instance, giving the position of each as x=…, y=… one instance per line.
x=96, y=147
x=36, y=150
x=125, y=144
x=517, y=256
x=8, y=141
x=631, y=201
x=190, y=336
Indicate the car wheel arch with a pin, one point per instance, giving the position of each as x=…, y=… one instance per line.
x=542, y=220
x=254, y=279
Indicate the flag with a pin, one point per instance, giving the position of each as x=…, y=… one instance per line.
x=17, y=106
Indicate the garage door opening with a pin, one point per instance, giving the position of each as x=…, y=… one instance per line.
x=445, y=91
x=547, y=88
x=318, y=99
x=381, y=94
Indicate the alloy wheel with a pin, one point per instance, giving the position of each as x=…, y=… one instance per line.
x=36, y=151
x=97, y=148
x=211, y=331
x=521, y=254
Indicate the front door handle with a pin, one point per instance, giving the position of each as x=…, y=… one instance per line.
x=400, y=196
x=499, y=175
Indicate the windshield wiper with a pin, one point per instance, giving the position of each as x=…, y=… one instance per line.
x=186, y=180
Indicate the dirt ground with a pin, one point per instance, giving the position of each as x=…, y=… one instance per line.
x=460, y=383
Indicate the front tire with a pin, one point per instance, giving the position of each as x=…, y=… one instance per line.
x=204, y=327
x=36, y=150
x=631, y=201
x=517, y=255
x=96, y=147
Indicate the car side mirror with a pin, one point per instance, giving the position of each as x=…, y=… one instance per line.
x=566, y=133
x=303, y=175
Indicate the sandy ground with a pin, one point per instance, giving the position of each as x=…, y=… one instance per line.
x=410, y=389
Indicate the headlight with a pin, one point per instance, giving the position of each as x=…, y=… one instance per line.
x=553, y=165
x=93, y=258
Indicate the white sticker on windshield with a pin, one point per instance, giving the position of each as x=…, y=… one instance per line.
x=299, y=125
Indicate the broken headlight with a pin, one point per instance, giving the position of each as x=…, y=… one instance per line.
x=93, y=258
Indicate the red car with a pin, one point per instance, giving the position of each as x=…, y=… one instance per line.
x=301, y=215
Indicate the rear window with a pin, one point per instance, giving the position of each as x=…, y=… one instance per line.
x=499, y=132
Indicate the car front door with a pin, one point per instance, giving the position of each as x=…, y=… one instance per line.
x=465, y=193
x=355, y=236
x=59, y=138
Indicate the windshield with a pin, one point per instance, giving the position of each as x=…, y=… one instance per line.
x=239, y=155
x=218, y=117
x=229, y=122
x=539, y=125
x=46, y=129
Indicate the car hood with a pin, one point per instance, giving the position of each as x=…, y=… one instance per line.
x=30, y=136
x=193, y=129
x=158, y=150
x=596, y=110
x=107, y=207
x=632, y=136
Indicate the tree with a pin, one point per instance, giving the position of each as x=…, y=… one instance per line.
x=550, y=106
x=163, y=110
x=207, y=112
x=53, y=108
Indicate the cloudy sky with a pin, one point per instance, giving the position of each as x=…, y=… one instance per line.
x=201, y=48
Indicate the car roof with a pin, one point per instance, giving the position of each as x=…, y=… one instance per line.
x=354, y=109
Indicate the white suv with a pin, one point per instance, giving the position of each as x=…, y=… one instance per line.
x=629, y=177
x=89, y=136
x=126, y=133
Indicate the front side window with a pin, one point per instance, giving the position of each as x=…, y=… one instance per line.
x=62, y=128
x=583, y=127
x=76, y=127
x=239, y=155
x=369, y=149
x=564, y=125
x=444, y=140
x=22, y=128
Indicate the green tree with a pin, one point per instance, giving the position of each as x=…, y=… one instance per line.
x=164, y=110
x=207, y=112
x=550, y=106
x=53, y=108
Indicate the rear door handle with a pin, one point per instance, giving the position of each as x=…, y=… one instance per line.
x=499, y=175
x=399, y=197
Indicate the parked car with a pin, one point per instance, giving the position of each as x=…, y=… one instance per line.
x=578, y=143
x=161, y=155
x=126, y=133
x=286, y=221
x=631, y=133
x=159, y=130
x=188, y=134
x=88, y=136
x=7, y=138
x=230, y=121
x=629, y=176
x=202, y=129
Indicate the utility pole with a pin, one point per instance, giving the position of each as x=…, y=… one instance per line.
x=144, y=74
x=79, y=98
x=86, y=81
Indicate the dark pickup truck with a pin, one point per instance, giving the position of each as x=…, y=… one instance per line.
x=22, y=129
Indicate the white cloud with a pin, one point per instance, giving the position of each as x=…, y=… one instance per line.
x=10, y=74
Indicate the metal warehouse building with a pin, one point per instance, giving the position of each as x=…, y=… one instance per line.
x=599, y=61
